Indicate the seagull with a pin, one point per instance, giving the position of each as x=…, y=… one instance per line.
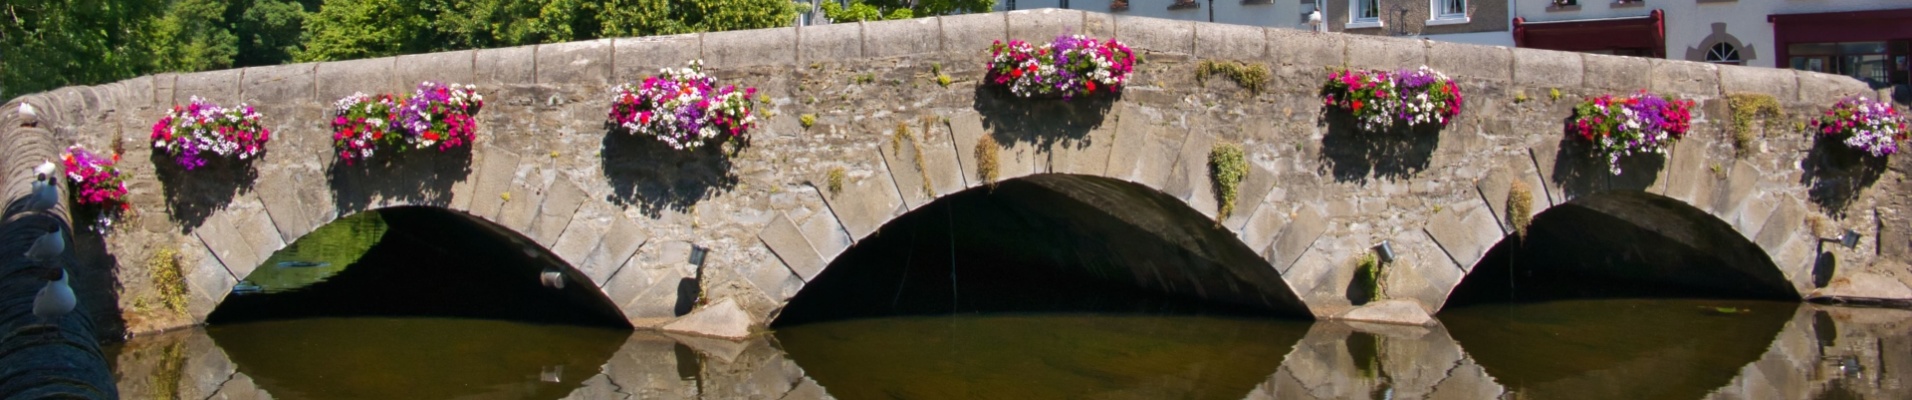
x=551, y=278
x=29, y=117
x=1314, y=20
x=46, y=189
x=47, y=248
x=54, y=300
x=27, y=109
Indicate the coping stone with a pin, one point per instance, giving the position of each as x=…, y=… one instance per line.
x=1156, y=34
x=635, y=58
x=1385, y=53
x=1781, y=84
x=1043, y=25
x=749, y=48
x=1471, y=62
x=220, y=87
x=1305, y=49
x=281, y=84
x=576, y=70
x=1229, y=41
x=1617, y=74
x=443, y=67
x=894, y=38
x=1306, y=225
x=1686, y=79
x=337, y=79
x=834, y=43
x=1547, y=68
x=973, y=33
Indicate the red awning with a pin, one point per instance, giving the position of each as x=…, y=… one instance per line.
x=1852, y=26
x=1647, y=33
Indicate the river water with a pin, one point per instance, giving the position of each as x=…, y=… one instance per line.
x=1587, y=349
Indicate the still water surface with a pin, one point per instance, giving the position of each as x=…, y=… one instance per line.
x=1591, y=349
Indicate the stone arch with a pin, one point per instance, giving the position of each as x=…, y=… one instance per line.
x=1711, y=198
x=1110, y=165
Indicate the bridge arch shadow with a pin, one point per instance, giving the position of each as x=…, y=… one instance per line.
x=1045, y=243
x=416, y=261
x=1624, y=244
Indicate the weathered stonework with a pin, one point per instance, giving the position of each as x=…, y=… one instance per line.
x=618, y=212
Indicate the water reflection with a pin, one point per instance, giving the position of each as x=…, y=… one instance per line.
x=316, y=256
x=1600, y=349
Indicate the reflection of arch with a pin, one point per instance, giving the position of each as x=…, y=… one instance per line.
x=436, y=262
x=1081, y=235
x=1716, y=46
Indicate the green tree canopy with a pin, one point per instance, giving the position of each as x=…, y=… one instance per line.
x=878, y=10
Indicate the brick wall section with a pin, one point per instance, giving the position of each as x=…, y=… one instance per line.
x=624, y=214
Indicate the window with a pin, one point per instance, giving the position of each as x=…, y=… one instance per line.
x=1448, y=12
x=1723, y=53
x=1364, y=14
x=1865, y=61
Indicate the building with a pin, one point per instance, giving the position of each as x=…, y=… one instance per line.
x=1464, y=21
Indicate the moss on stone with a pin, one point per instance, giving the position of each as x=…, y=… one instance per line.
x=1227, y=165
x=1520, y=208
x=168, y=279
x=1746, y=107
x=834, y=181
x=807, y=120
x=1251, y=76
x=1370, y=269
x=987, y=162
x=903, y=135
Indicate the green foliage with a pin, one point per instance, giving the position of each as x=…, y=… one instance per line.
x=349, y=29
x=1746, y=107
x=987, y=159
x=1520, y=96
x=1553, y=94
x=621, y=18
x=168, y=279
x=326, y=251
x=834, y=180
x=268, y=30
x=1253, y=77
x=903, y=135
x=49, y=44
x=807, y=120
x=1520, y=208
x=1227, y=165
x=1369, y=268
x=192, y=36
x=878, y=10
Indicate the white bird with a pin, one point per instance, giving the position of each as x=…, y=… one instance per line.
x=27, y=109
x=47, y=248
x=54, y=300
x=1314, y=20
x=46, y=188
x=551, y=278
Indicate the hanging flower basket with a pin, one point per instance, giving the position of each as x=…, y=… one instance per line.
x=435, y=115
x=1380, y=100
x=94, y=182
x=1869, y=126
x=1622, y=126
x=1068, y=67
x=684, y=108
x=194, y=133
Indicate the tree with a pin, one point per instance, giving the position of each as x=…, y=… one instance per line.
x=668, y=17
x=877, y=10
x=268, y=30
x=192, y=36
x=53, y=43
x=349, y=29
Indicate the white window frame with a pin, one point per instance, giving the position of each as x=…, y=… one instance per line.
x=1355, y=21
x=1440, y=15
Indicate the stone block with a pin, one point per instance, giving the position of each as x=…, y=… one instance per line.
x=1249, y=197
x=775, y=279
x=1548, y=69
x=371, y=76
x=1782, y=226
x=967, y=128
x=945, y=171
x=278, y=192
x=1686, y=79
x=216, y=86
x=1188, y=177
x=1825, y=89
x=1466, y=62
x=527, y=198
x=1304, y=226
x=1132, y=131
x=749, y=48
x=281, y=84
x=835, y=43
x=1385, y=53
x=973, y=33
x=1259, y=232
x=1307, y=50
x=204, y=369
x=789, y=243
x=1087, y=155
x=207, y=283
x=912, y=182
x=892, y=38
x=1230, y=42
x=1098, y=25
x=463, y=189
x=583, y=233
x=1161, y=151
x=659, y=298
x=1782, y=84
x=492, y=181
x=505, y=76
x=443, y=67
x=1687, y=169
x=1155, y=34
x=249, y=218
x=621, y=240
x=1737, y=188
x=1437, y=275
x=1043, y=25
x=224, y=240
x=639, y=57
x=165, y=89
x=573, y=72
x=866, y=204
x=1617, y=74
x=1752, y=215
x=1545, y=158
x=826, y=234
x=1493, y=191
x=1465, y=232
x=561, y=201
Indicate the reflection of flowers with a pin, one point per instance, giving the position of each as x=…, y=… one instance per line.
x=189, y=132
x=1068, y=67
x=94, y=182
x=1864, y=124
x=1380, y=99
x=1621, y=126
x=684, y=108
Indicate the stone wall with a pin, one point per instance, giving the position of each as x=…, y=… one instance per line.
x=625, y=213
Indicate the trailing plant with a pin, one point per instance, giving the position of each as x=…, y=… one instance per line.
x=1067, y=67
x=903, y=135
x=1252, y=76
x=1520, y=208
x=1622, y=126
x=95, y=182
x=435, y=115
x=1746, y=107
x=1370, y=268
x=168, y=278
x=361, y=124
x=987, y=163
x=1379, y=100
x=192, y=133
x=1227, y=165
x=684, y=108
x=1864, y=124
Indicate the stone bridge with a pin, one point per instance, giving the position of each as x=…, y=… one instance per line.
x=624, y=213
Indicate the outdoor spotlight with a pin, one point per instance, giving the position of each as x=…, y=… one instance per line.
x=697, y=254
x=1385, y=250
x=1849, y=239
